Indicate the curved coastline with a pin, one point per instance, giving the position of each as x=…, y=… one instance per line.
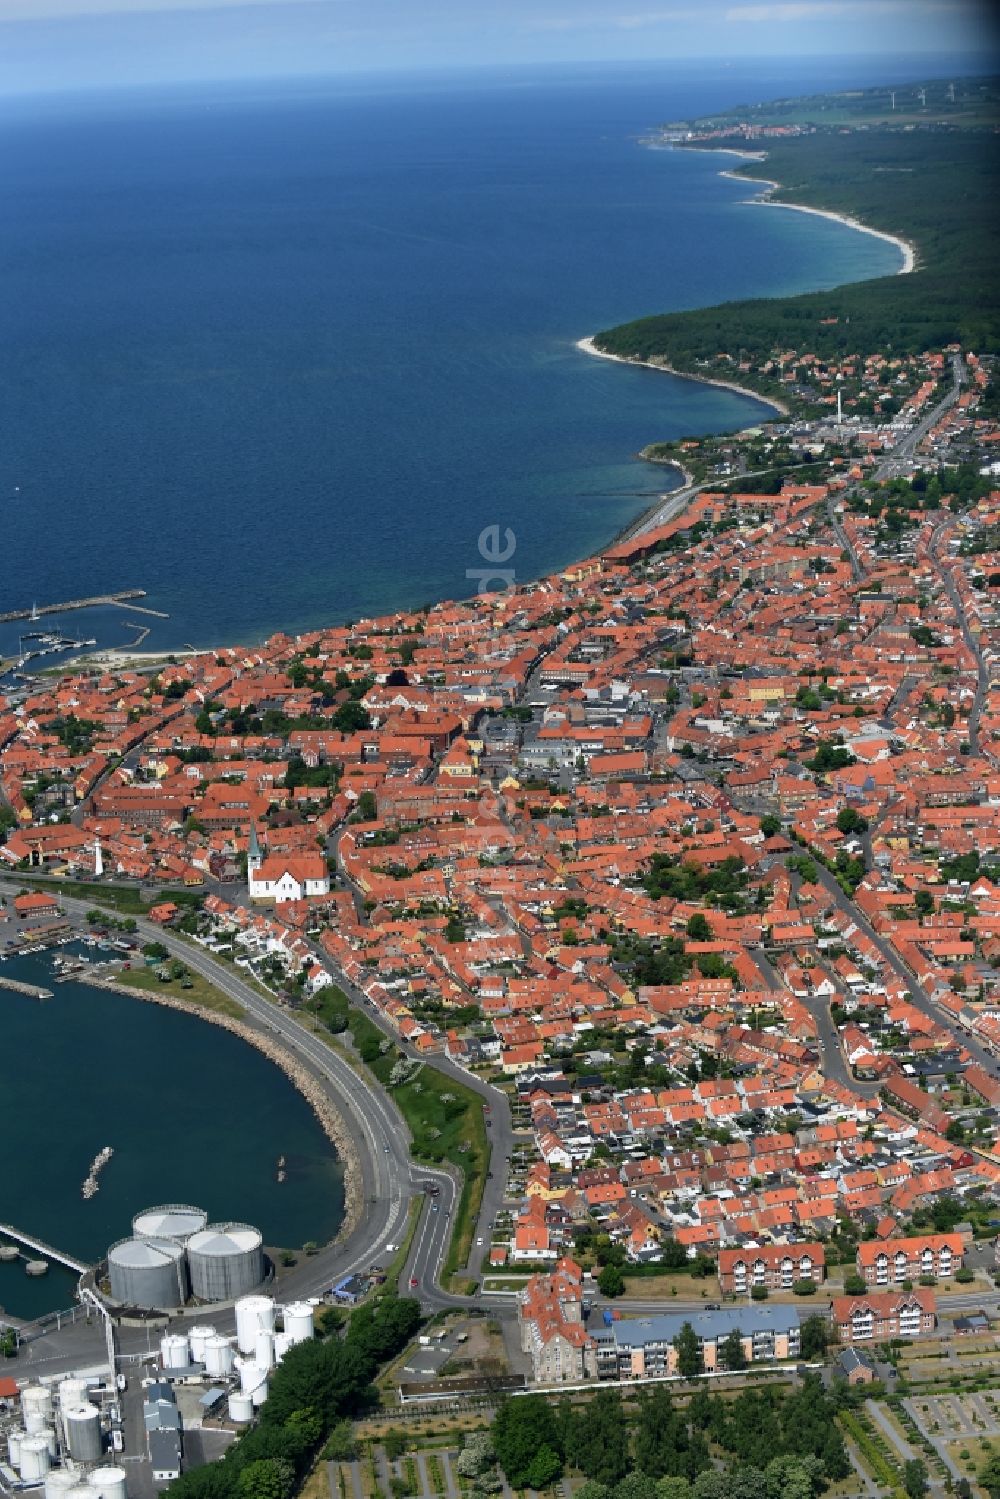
x=588, y=346
x=765, y=199
x=330, y=1119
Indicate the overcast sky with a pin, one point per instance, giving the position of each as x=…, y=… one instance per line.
x=52, y=44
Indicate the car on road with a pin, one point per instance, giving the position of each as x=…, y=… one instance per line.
x=434, y=1207
x=414, y=1281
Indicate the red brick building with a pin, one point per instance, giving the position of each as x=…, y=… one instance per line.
x=775, y=1266
x=892, y=1261
x=884, y=1315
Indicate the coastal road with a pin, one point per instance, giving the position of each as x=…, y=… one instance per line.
x=389, y=1179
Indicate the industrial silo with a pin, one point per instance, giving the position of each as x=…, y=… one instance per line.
x=14, y=1440
x=150, y=1273
x=35, y=1459
x=83, y=1433
x=73, y=1392
x=298, y=1321
x=218, y=1356
x=225, y=1261
x=110, y=1482
x=175, y=1220
x=240, y=1407
x=36, y=1407
x=175, y=1352
x=252, y=1314
x=58, y=1481
x=198, y=1337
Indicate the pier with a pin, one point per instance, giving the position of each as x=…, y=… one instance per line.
x=33, y=991
x=40, y=1247
x=123, y=597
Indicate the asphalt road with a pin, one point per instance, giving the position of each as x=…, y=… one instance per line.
x=919, y=996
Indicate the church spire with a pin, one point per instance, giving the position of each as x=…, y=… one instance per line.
x=254, y=856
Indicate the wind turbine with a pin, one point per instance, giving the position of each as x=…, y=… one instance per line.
x=922, y=96
x=892, y=96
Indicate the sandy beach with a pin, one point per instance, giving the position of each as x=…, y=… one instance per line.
x=589, y=347
x=765, y=198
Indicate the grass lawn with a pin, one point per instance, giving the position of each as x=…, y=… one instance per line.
x=667, y=1287
x=968, y=1466
x=202, y=993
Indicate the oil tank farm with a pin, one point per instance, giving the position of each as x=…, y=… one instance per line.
x=149, y=1273
x=175, y=1253
x=225, y=1260
x=173, y=1220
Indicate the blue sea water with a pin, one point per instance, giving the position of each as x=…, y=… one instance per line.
x=193, y=1114
x=278, y=354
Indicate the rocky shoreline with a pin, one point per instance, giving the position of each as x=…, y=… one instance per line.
x=330, y=1119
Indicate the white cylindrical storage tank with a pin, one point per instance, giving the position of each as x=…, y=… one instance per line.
x=298, y=1319
x=226, y=1260
x=14, y=1440
x=240, y=1407
x=263, y=1352
x=80, y=1490
x=58, y=1481
x=34, y=1420
x=148, y=1273
x=35, y=1460
x=253, y=1380
x=73, y=1392
x=282, y=1342
x=218, y=1356
x=83, y=1433
x=198, y=1337
x=109, y=1482
x=37, y=1399
x=174, y=1352
x=175, y=1220
x=252, y=1313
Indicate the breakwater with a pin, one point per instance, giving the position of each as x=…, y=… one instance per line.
x=124, y=596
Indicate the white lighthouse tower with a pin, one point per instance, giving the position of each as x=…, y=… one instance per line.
x=98, y=859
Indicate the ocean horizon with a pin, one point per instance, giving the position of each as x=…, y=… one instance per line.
x=279, y=355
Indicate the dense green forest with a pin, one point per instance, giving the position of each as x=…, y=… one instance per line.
x=937, y=188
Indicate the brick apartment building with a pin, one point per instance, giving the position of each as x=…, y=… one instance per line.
x=892, y=1261
x=883, y=1315
x=775, y=1266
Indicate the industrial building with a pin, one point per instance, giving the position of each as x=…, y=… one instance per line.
x=61, y=1445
